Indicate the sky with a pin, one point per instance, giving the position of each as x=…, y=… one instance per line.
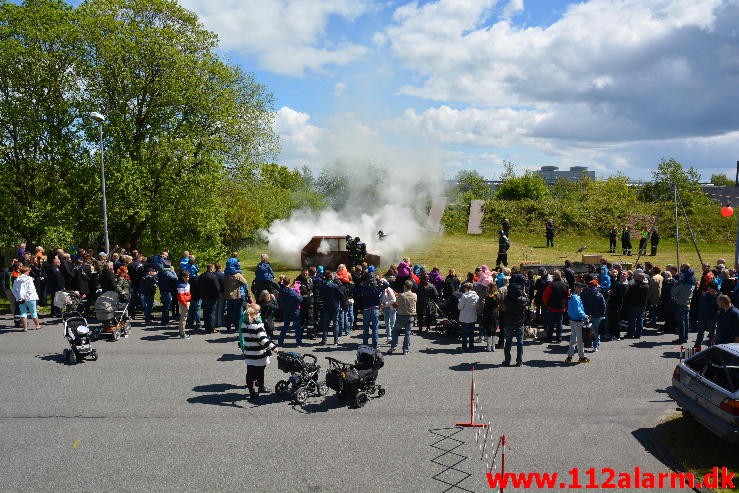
x=615, y=85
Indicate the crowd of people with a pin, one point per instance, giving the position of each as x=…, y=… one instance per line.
x=490, y=307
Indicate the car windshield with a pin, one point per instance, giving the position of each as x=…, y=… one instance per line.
x=719, y=366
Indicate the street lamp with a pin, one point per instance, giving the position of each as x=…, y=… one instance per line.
x=100, y=118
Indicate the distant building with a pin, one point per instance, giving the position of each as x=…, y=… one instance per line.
x=552, y=173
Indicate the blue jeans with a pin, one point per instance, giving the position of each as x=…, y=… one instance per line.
x=682, y=322
x=291, y=319
x=220, y=311
x=209, y=314
x=233, y=313
x=636, y=321
x=166, y=299
x=552, y=322
x=349, y=318
x=341, y=321
x=390, y=315
x=193, y=315
x=148, y=307
x=371, y=320
x=326, y=317
x=596, y=323
x=468, y=335
x=510, y=333
x=404, y=323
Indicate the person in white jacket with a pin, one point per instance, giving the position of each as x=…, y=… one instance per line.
x=468, y=316
x=26, y=296
x=388, y=302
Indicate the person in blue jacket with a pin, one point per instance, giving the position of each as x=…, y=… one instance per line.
x=264, y=277
x=167, y=285
x=578, y=317
x=595, y=307
x=290, y=301
x=330, y=297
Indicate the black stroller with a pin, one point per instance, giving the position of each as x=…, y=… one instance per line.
x=355, y=383
x=114, y=316
x=303, y=379
x=447, y=321
x=78, y=335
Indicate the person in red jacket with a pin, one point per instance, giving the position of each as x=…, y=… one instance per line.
x=183, y=300
x=554, y=298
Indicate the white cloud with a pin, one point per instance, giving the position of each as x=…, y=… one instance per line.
x=606, y=71
x=300, y=139
x=287, y=36
x=339, y=88
x=513, y=8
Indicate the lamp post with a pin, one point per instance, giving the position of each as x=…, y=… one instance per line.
x=100, y=118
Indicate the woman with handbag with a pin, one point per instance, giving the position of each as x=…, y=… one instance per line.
x=26, y=297
x=256, y=348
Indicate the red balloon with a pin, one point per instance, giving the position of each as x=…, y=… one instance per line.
x=727, y=211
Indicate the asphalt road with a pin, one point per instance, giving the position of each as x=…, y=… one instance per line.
x=156, y=413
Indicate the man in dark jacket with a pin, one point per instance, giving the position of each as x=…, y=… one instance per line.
x=148, y=291
x=503, y=246
x=167, y=280
x=727, y=330
x=209, y=290
x=290, y=305
x=371, y=293
x=707, y=314
x=137, y=273
x=595, y=307
x=306, y=307
x=106, y=278
x=513, y=318
x=635, y=303
x=54, y=282
x=330, y=297
x=555, y=298
x=616, y=299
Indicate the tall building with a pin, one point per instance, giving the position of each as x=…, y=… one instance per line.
x=552, y=173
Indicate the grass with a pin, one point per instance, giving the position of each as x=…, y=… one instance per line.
x=697, y=449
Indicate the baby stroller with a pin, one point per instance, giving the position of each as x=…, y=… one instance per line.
x=303, y=379
x=70, y=301
x=355, y=383
x=447, y=321
x=114, y=316
x=78, y=335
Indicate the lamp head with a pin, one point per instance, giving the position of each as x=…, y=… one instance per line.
x=98, y=117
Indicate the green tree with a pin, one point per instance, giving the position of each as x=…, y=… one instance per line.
x=177, y=118
x=721, y=180
x=470, y=185
x=668, y=174
x=523, y=187
x=40, y=151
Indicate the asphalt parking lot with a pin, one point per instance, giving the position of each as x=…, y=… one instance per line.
x=156, y=413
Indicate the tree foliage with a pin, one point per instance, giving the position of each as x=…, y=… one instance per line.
x=181, y=124
x=528, y=186
x=470, y=185
x=721, y=180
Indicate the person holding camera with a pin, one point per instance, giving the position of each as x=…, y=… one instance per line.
x=26, y=297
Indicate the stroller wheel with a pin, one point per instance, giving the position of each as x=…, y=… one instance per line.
x=72, y=357
x=301, y=395
x=380, y=391
x=127, y=328
x=116, y=334
x=281, y=387
x=66, y=355
x=360, y=399
x=94, y=355
x=322, y=389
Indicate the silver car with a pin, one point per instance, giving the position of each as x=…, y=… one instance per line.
x=706, y=387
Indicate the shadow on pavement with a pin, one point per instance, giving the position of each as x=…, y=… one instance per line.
x=477, y=365
x=446, y=350
x=542, y=363
x=216, y=394
x=650, y=344
x=223, y=339
x=326, y=405
x=671, y=354
x=162, y=337
x=231, y=357
x=54, y=357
